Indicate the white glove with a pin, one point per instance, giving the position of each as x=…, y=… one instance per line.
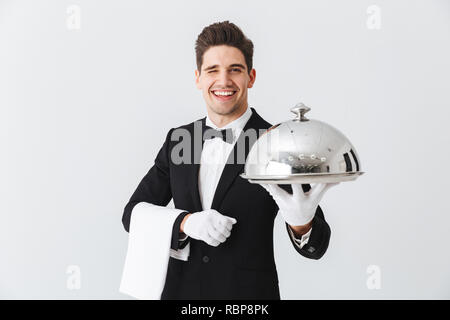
x=299, y=207
x=209, y=226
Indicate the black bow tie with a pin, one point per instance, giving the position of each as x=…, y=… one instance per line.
x=225, y=134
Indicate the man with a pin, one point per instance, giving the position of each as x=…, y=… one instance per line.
x=221, y=239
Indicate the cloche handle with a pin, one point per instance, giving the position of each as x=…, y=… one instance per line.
x=300, y=109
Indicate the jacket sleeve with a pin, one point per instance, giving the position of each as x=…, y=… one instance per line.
x=319, y=239
x=155, y=188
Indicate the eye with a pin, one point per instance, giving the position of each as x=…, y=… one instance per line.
x=211, y=71
x=236, y=70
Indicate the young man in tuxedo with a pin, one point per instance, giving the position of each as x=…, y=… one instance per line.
x=225, y=222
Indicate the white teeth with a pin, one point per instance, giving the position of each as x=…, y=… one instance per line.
x=223, y=93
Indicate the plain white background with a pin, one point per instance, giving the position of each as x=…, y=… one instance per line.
x=88, y=93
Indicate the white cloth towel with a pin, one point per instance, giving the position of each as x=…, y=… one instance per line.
x=149, y=239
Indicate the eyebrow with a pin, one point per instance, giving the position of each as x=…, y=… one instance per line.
x=210, y=67
x=230, y=66
x=237, y=65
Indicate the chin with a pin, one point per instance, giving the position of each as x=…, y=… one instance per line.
x=225, y=109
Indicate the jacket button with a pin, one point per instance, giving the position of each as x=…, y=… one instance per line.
x=311, y=249
x=205, y=259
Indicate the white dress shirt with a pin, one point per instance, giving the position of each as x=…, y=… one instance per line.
x=214, y=156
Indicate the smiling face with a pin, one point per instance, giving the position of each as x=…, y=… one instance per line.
x=224, y=81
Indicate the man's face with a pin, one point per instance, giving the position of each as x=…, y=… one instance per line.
x=224, y=79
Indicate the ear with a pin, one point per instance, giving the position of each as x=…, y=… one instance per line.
x=252, y=76
x=197, y=79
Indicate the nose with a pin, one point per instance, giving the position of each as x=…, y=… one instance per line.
x=224, y=79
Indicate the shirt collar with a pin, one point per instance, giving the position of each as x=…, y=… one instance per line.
x=237, y=124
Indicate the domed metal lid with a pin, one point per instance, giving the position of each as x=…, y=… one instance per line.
x=302, y=150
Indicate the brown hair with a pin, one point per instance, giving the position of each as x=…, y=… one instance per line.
x=223, y=33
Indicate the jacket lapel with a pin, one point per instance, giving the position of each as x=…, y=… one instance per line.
x=195, y=164
x=233, y=167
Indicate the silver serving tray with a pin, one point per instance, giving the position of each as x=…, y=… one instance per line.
x=304, y=178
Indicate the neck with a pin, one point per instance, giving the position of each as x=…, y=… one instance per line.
x=221, y=120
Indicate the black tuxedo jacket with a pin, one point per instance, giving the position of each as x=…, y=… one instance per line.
x=243, y=267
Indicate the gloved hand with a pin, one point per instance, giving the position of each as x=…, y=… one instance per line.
x=209, y=226
x=298, y=208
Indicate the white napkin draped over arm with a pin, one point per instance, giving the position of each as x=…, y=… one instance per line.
x=148, y=252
